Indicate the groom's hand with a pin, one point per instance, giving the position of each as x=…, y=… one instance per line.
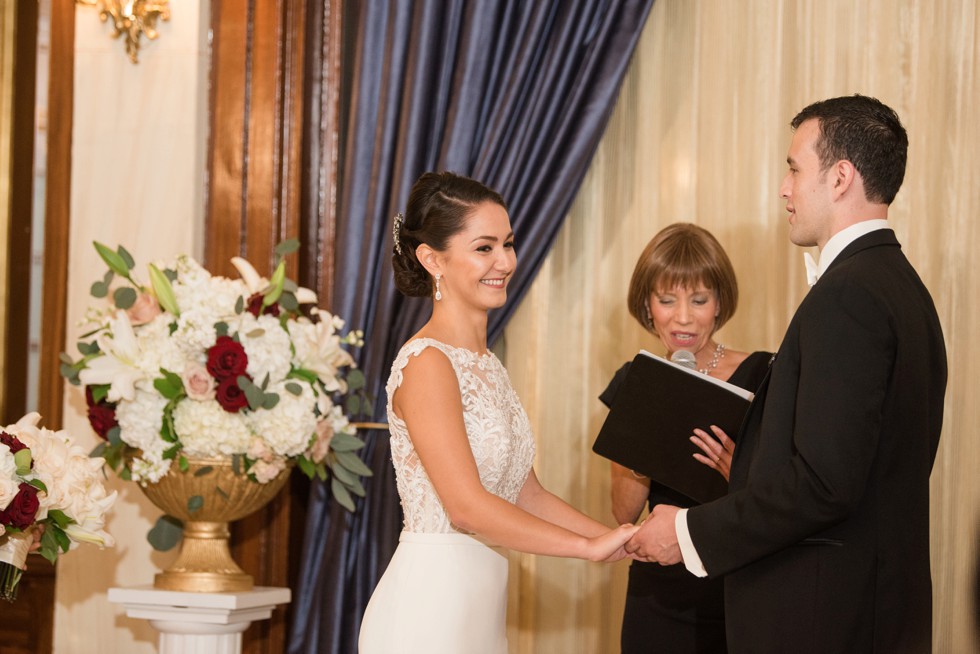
x=656, y=541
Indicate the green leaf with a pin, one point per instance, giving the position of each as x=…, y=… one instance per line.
x=127, y=257
x=98, y=289
x=275, y=285
x=351, y=461
x=341, y=494
x=287, y=247
x=100, y=392
x=60, y=518
x=293, y=388
x=166, y=533
x=194, y=503
x=344, y=475
x=306, y=466
x=98, y=450
x=253, y=394
x=288, y=301
x=270, y=401
x=124, y=297
x=64, y=357
x=239, y=305
x=306, y=375
x=355, y=380
x=353, y=405
x=183, y=463
x=163, y=290
x=171, y=452
x=357, y=488
x=203, y=470
x=114, y=435
x=38, y=484
x=236, y=463
x=221, y=328
x=116, y=263
x=342, y=442
x=170, y=274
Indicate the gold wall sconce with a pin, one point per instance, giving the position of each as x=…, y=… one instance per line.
x=131, y=18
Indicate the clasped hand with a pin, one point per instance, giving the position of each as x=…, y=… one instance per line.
x=656, y=539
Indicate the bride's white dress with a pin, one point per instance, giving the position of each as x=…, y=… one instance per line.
x=445, y=591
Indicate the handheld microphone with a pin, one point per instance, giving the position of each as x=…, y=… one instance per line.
x=684, y=358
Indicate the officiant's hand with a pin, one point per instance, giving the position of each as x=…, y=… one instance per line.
x=656, y=540
x=717, y=453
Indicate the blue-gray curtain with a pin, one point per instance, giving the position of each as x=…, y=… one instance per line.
x=514, y=94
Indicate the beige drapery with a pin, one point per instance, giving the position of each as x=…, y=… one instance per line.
x=700, y=134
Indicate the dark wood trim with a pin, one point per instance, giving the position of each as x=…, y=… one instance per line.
x=21, y=176
x=57, y=210
x=272, y=176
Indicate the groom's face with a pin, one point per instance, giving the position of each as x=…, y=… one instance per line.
x=806, y=189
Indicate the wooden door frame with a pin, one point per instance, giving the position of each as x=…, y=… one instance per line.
x=272, y=175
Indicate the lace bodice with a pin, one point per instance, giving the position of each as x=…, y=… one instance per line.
x=496, y=425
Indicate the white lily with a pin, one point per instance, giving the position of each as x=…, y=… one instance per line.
x=257, y=284
x=118, y=365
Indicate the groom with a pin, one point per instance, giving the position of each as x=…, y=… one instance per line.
x=824, y=536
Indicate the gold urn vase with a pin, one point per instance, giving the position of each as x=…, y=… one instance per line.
x=204, y=564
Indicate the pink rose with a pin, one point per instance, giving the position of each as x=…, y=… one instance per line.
x=198, y=382
x=258, y=450
x=266, y=471
x=324, y=434
x=145, y=309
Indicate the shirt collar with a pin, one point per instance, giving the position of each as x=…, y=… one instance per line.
x=836, y=245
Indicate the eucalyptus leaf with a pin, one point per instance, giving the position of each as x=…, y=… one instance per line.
x=351, y=461
x=194, y=503
x=294, y=388
x=166, y=533
x=342, y=442
x=124, y=297
x=64, y=357
x=239, y=305
x=236, y=463
x=270, y=401
x=98, y=289
x=287, y=247
x=353, y=405
x=126, y=256
x=355, y=380
x=203, y=470
x=221, y=328
x=288, y=301
x=341, y=494
x=344, y=475
x=114, y=435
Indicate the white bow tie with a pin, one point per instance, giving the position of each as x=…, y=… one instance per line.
x=812, y=270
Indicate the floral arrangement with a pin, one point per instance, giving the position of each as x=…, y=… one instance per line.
x=51, y=495
x=196, y=365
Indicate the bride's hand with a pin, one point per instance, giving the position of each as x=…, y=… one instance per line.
x=717, y=453
x=609, y=546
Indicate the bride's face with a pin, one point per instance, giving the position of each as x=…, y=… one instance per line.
x=480, y=260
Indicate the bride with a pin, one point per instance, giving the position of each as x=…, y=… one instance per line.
x=461, y=443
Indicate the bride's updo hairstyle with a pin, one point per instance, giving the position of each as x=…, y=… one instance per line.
x=437, y=209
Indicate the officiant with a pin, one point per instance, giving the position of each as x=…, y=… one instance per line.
x=683, y=290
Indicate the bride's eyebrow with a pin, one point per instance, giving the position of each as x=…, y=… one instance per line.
x=493, y=239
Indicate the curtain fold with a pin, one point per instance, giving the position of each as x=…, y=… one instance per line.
x=515, y=94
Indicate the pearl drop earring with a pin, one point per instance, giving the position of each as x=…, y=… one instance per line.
x=438, y=292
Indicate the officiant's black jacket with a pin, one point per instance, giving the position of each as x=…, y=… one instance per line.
x=824, y=535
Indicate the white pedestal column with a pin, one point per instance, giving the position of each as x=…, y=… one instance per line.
x=199, y=623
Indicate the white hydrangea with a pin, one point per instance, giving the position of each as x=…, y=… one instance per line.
x=140, y=420
x=287, y=427
x=203, y=301
x=158, y=349
x=267, y=346
x=205, y=429
x=150, y=468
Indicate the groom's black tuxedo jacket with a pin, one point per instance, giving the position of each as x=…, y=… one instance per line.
x=824, y=535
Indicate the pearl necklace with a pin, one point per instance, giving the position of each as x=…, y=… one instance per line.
x=715, y=359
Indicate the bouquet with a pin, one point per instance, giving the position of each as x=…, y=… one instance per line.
x=48, y=486
x=191, y=364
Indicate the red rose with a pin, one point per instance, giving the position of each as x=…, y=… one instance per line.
x=21, y=510
x=227, y=358
x=101, y=415
x=231, y=398
x=255, y=307
x=12, y=442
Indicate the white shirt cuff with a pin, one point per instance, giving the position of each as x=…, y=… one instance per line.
x=691, y=559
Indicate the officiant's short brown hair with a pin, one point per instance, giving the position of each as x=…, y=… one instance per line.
x=682, y=254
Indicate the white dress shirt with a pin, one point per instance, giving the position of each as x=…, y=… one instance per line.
x=815, y=269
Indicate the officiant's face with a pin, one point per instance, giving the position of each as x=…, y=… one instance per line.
x=684, y=318
x=479, y=260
